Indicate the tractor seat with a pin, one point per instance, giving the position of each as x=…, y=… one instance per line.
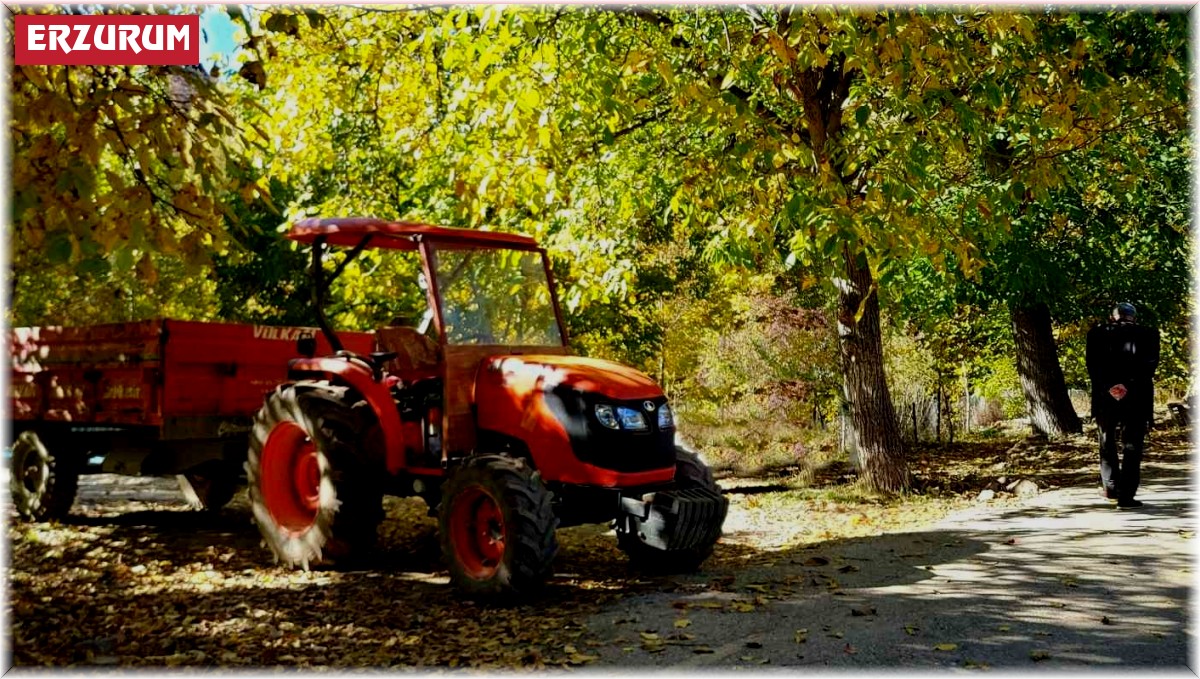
x=417, y=356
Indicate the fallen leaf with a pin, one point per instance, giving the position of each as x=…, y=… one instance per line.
x=581, y=658
x=976, y=664
x=743, y=606
x=802, y=635
x=862, y=611
x=837, y=634
x=848, y=568
x=1039, y=655
x=945, y=647
x=649, y=636
x=1004, y=628
x=682, y=622
x=711, y=604
x=911, y=630
x=816, y=561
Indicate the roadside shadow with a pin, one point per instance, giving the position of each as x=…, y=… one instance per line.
x=176, y=587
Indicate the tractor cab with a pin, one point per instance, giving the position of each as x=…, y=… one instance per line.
x=487, y=295
x=477, y=407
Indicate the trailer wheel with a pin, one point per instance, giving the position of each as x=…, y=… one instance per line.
x=209, y=486
x=690, y=472
x=313, y=494
x=497, y=527
x=43, y=485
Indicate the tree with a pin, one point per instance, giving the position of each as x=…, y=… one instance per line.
x=844, y=142
x=848, y=131
x=118, y=169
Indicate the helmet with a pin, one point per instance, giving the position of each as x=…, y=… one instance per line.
x=1124, y=312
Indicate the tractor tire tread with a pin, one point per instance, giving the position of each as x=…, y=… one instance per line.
x=528, y=563
x=58, y=491
x=346, y=530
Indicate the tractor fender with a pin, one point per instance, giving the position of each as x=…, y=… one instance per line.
x=377, y=395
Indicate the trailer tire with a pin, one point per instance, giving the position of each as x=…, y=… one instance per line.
x=690, y=472
x=497, y=527
x=43, y=485
x=313, y=493
x=209, y=486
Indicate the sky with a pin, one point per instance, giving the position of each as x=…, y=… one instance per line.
x=218, y=30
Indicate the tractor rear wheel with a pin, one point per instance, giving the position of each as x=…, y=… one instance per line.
x=497, y=526
x=312, y=491
x=690, y=472
x=43, y=485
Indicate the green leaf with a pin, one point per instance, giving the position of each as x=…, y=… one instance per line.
x=58, y=248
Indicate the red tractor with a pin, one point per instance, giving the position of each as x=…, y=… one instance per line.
x=481, y=411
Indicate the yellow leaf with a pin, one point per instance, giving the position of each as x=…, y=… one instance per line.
x=649, y=636
x=581, y=658
x=946, y=647
x=682, y=622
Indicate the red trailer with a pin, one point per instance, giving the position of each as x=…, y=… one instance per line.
x=156, y=397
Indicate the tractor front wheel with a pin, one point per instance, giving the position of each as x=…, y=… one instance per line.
x=43, y=485
x=312, y=490
x=497, y=526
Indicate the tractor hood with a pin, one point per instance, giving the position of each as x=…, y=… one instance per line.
x=588, y=375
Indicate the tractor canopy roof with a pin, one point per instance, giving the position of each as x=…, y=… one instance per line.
x=349, y=232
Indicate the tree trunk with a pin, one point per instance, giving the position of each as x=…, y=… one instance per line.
x=874, y=427
x=1050, y=409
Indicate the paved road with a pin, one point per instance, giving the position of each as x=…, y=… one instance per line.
x=1063, y=580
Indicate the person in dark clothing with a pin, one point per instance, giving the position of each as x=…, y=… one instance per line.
x=1121, y=359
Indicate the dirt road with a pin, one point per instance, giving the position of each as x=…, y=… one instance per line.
x=1059, y=580
x=1062, y=580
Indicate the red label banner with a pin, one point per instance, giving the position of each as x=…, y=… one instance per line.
x=107, y=40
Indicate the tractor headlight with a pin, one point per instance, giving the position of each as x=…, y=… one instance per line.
x=666, y=419
x=631, y=419
x=604, y=413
